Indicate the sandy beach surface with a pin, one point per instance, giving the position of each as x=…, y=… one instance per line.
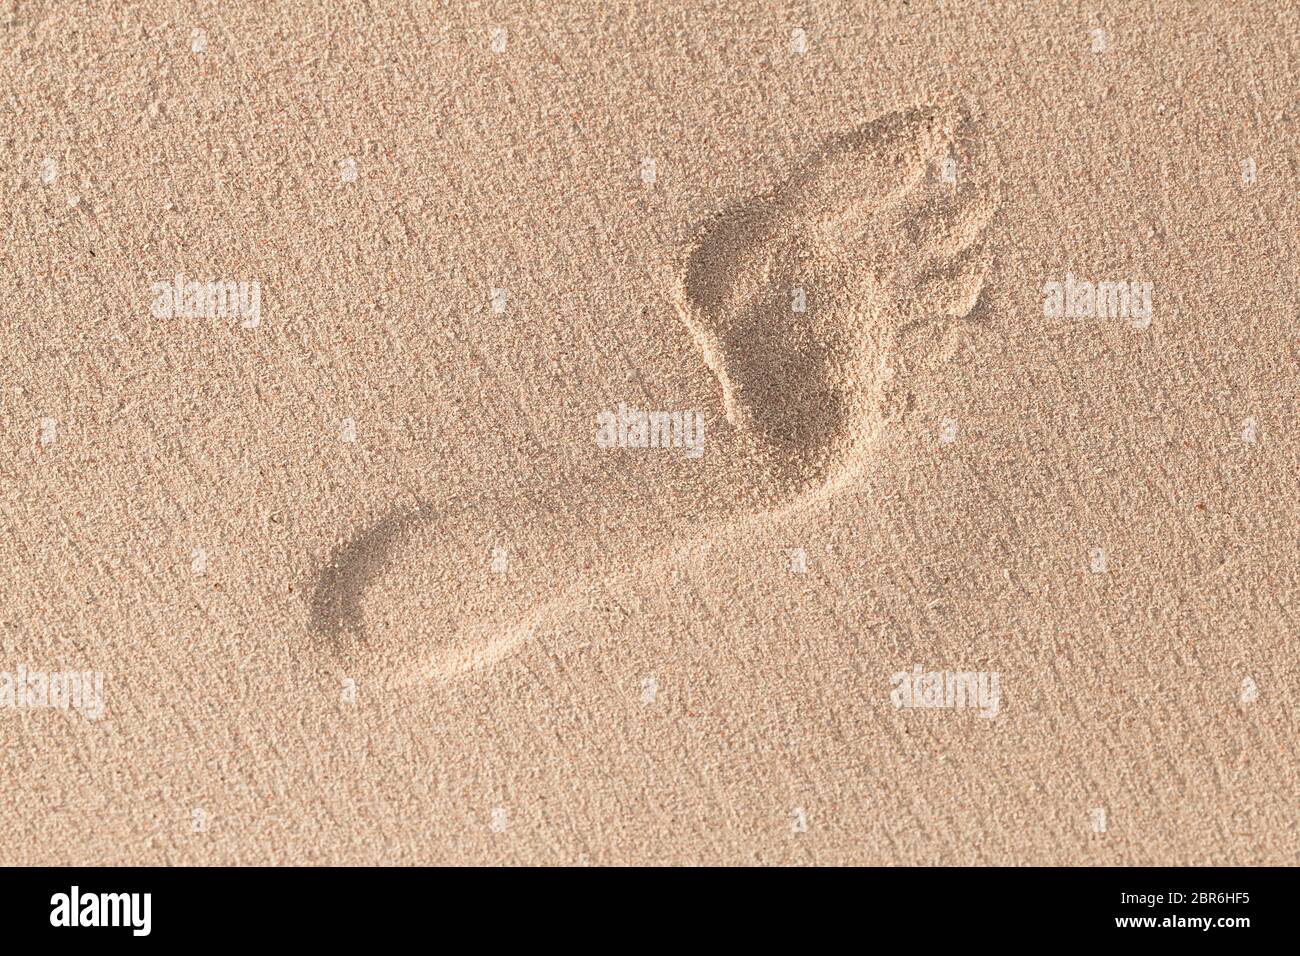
x=336, y=526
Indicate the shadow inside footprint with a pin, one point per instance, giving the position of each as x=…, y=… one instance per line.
x=353, y=567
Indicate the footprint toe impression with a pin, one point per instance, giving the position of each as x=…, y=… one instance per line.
x=801, y=299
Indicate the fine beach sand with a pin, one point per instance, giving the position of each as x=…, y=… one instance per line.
x=363, y=586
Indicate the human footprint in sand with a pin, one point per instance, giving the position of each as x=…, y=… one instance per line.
x=814, y=305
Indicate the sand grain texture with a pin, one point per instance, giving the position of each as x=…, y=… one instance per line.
x=363, y=587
